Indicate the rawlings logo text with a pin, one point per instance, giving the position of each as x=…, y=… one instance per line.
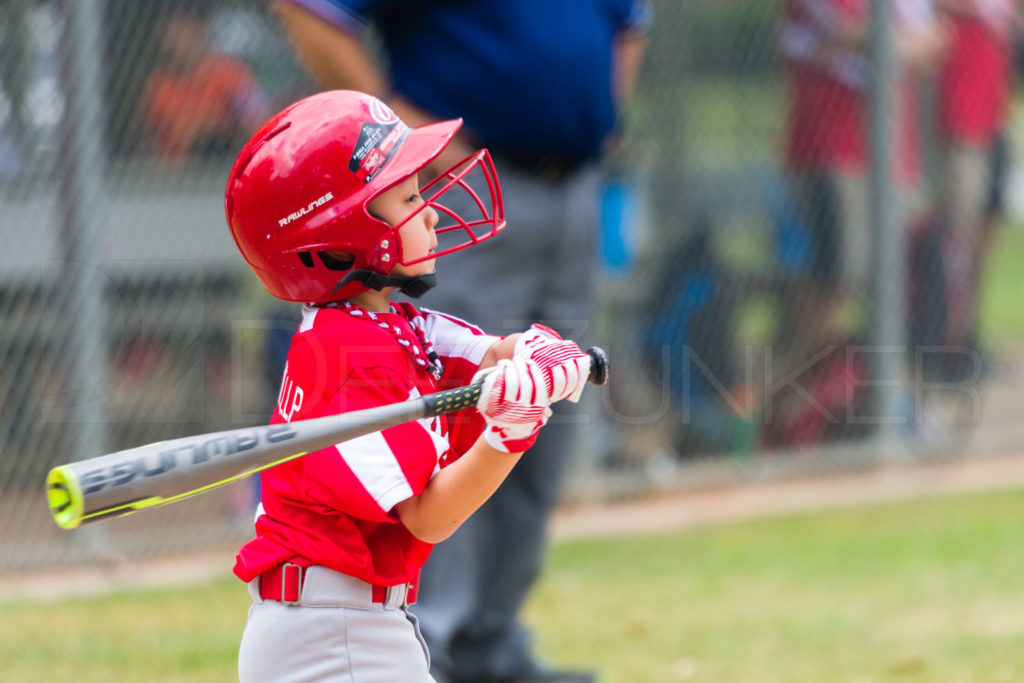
x=315, y=204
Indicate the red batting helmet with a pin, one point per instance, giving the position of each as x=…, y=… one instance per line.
x=300, y=189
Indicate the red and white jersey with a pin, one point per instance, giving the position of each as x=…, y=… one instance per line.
x=335, y=507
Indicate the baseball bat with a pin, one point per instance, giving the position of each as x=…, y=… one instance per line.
x=118, y=484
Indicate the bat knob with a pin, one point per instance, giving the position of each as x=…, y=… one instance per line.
x=598, y=365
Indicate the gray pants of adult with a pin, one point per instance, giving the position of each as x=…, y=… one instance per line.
x=541, y=268
x=336, y=634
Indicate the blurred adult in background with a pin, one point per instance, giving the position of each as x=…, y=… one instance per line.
x=198, y=102
x=824, y=45
x=539, y=84
x=973, y=87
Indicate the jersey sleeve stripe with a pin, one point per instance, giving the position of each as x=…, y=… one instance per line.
x=454, y=338
x=429, y=314
x=439, y=440
x=377, y=469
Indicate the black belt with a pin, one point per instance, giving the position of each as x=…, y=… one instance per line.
x=547, y=168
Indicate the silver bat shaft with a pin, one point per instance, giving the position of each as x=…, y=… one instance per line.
x=124, y=482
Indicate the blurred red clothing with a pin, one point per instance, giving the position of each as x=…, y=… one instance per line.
x=211, y=105
x=977, y=73
x=828, y=124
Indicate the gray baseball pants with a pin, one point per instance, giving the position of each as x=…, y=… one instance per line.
x=335, y=634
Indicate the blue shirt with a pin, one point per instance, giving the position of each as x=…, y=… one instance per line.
x=529, y=77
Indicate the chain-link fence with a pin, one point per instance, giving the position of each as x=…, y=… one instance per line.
x=127, y=315
x=784, y=289
x=745, y=295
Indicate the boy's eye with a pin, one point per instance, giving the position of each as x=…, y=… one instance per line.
x=413, y=197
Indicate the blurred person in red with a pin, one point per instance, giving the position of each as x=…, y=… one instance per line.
x=198, y=102
x=824, y=45
x=973, y=88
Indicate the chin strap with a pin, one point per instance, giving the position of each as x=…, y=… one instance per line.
x=414, y=285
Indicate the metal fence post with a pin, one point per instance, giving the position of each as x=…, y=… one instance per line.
x=80, y=171
x=888, y=307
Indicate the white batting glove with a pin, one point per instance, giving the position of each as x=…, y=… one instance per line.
x=565, y=366
x=514, y=403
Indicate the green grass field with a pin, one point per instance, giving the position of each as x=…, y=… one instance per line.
x=1002, y=316
x=929, y=590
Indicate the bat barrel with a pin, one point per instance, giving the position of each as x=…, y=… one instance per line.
x=120, y=483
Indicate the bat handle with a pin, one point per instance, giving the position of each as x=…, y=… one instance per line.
x=450, y=400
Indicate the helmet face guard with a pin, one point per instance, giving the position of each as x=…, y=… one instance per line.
x=454, y=231
x=299, y=193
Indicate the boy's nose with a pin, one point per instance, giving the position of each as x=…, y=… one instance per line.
x=432, y=217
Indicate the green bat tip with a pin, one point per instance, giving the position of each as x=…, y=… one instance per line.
x=65, y=497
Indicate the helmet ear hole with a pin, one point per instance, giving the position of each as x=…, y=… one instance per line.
x=333, y=260
x=336, y=260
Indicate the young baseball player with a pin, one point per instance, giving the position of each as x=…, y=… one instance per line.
x=325, y=205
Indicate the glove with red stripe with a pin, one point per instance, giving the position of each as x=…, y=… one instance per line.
x=565, y=366
x=514, y=403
